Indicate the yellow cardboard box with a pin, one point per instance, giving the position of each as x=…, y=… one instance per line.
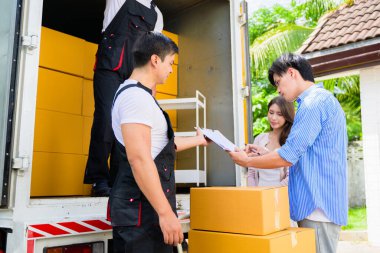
x=293, y=240
x=243, y=210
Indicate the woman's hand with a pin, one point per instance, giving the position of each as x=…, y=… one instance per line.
x=255, y=150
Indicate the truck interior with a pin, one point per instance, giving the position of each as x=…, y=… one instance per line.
x=204, y=38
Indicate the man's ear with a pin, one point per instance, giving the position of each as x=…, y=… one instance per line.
x=154, y=59
x=292, y=72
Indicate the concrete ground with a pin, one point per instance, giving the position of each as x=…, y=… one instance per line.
x=355, y=242
x=356, y=247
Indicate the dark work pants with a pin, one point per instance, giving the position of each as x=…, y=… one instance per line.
x=141, y=239
x=102, y=144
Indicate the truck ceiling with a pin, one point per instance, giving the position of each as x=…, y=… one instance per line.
x=84, y=18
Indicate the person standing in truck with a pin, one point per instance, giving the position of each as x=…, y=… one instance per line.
x=124, y=21
x=142, y=200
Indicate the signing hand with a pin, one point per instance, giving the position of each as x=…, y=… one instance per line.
x=240, y=157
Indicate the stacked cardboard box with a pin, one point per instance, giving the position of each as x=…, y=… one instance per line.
x=249, y=219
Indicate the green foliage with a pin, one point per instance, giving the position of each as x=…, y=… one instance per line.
x=357, y=219
x=269, y=46
x=262, y=93
x=347, y=91
x=312, y=10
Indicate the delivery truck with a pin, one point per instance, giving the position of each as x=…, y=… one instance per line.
x=47, y=51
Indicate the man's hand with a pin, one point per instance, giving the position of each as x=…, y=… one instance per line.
x=171, y=228
x=203, y=140
x=240, y=157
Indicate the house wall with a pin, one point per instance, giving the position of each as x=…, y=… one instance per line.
x=370, y=90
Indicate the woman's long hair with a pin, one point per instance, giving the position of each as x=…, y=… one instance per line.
x=287, y=111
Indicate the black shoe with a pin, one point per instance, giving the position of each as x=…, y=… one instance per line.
x=100, y=189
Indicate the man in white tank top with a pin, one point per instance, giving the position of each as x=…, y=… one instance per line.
x=142, y=201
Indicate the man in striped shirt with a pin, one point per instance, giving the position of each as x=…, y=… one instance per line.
x=315, y=150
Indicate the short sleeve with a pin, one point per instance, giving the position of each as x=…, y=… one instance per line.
x=136, y=106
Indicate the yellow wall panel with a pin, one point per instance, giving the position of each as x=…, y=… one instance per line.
x=173, y=37
x=87, y=124
x=59, y=92
x=56, y=174
x=88, y=98
x=172, y=113
x=58, y=132
x=171, y=85
x=89, y=59
x=62, y=52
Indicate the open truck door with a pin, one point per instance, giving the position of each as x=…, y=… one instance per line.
x=241, y=80
x=10, y=12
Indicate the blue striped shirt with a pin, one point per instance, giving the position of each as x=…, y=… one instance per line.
x=317, y=148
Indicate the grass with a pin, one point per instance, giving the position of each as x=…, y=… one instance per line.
x=357, y=219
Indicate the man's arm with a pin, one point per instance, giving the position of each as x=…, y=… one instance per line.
x=271, y=160
x=137, y=140
x=184, y=143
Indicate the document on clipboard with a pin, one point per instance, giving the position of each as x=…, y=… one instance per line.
x=219, y=139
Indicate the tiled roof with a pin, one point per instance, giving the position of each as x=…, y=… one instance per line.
x=348, y=24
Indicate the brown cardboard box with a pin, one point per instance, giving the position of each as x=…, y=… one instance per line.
x=294, y=240
x=242, y=210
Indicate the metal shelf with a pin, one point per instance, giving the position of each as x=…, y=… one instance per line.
x=184, y=103
x=197, y=103
x=185, y=134
x=190, y=176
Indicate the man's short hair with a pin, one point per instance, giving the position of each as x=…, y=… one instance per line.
x=289, y=60
x=151, y=43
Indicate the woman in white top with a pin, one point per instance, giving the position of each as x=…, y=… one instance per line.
x=280, y=116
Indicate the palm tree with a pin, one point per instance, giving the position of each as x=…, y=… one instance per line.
x=289, y=33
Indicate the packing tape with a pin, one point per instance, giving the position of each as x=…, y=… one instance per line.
x=276, y=197
x=277, y=220
x=293, y=236
x=277, y=214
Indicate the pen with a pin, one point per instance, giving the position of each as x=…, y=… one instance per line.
x=253, y=150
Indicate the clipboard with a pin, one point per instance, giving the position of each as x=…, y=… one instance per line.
x=219, y=139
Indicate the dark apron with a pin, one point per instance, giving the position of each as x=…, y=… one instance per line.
x=115, y=48
x=134, y=220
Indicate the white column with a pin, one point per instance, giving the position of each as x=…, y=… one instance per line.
x=370, y=106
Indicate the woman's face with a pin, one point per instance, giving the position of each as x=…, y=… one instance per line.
x=275, y=117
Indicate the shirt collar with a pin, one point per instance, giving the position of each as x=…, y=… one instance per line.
x=307, y=92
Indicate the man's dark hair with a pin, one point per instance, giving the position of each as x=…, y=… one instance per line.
x=289, y=60
x=152, y=43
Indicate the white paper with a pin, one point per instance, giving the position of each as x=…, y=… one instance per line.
x=219, y=139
